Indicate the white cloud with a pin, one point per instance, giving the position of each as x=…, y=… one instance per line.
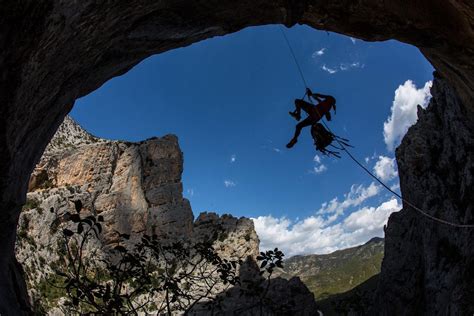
x=353, y=40
x=395, y=187
x=320, y=167
x=233, y=158
x=347, y=66
x=355, y=197
x=385, y=168
x=276, y=150
x=314, y=235
x=319, y=52
x=190, y=192
x=370, y=219
x=329, y=70
x=404, y=111
x=229, y=183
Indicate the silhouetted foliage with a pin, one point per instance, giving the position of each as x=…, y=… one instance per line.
x=259, y=287
x=148, y=274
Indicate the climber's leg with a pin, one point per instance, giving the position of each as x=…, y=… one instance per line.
x=306, y=122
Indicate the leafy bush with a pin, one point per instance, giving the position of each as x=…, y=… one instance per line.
x=149, y=275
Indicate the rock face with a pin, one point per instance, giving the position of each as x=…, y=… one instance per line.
x=136, y=187
x=428, y=267
x=238, y=239
x=281, y=297
x=54, y=52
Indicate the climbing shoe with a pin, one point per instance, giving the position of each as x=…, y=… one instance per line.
x=291, y=143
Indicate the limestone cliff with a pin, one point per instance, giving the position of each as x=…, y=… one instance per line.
x=428, y=266
x=136, y=187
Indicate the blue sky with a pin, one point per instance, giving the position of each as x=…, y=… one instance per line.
x=227, y=99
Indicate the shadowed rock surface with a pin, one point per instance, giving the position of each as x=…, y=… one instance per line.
x=282, y=297
x=54, y=52
x=428, y=266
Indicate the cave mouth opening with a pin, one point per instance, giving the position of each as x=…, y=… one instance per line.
x=237, y=163
x=34, y=108
x=227, y=99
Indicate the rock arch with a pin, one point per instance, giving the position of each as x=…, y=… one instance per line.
x=54, y=52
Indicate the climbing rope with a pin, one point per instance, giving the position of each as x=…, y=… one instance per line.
x=344, y=148
x=294, y=57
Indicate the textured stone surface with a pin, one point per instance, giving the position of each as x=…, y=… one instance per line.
x=238, y=239
x=428, y=266
x=54, y=52
x=135, y=186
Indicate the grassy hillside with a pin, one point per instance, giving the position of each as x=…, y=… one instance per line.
x=337, y=272
x=357, y=301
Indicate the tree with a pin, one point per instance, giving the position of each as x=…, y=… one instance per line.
x=148, y=274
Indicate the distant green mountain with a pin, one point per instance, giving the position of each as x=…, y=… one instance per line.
x=357, y=301
x=337, y=272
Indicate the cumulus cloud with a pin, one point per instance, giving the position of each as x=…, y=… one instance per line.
x=229, y=183
x=369, y=221
x=385, y=168
x=355, y=197
x=233, y=158
x=329, y=70
x=319, y=52
x=404, y=111
x=314, y=234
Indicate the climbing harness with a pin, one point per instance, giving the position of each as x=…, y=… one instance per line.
x=323, y=137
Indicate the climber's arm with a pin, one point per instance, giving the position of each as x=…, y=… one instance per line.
x=315, y=96
x=319, y=96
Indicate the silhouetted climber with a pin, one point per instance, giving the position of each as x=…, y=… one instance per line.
x=315, y=112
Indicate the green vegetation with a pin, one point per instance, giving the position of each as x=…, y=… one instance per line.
x=247, y=237
x=358, y=300
x=338, y=272
x=126, y=280
x=51, y=290
x=31, y=204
